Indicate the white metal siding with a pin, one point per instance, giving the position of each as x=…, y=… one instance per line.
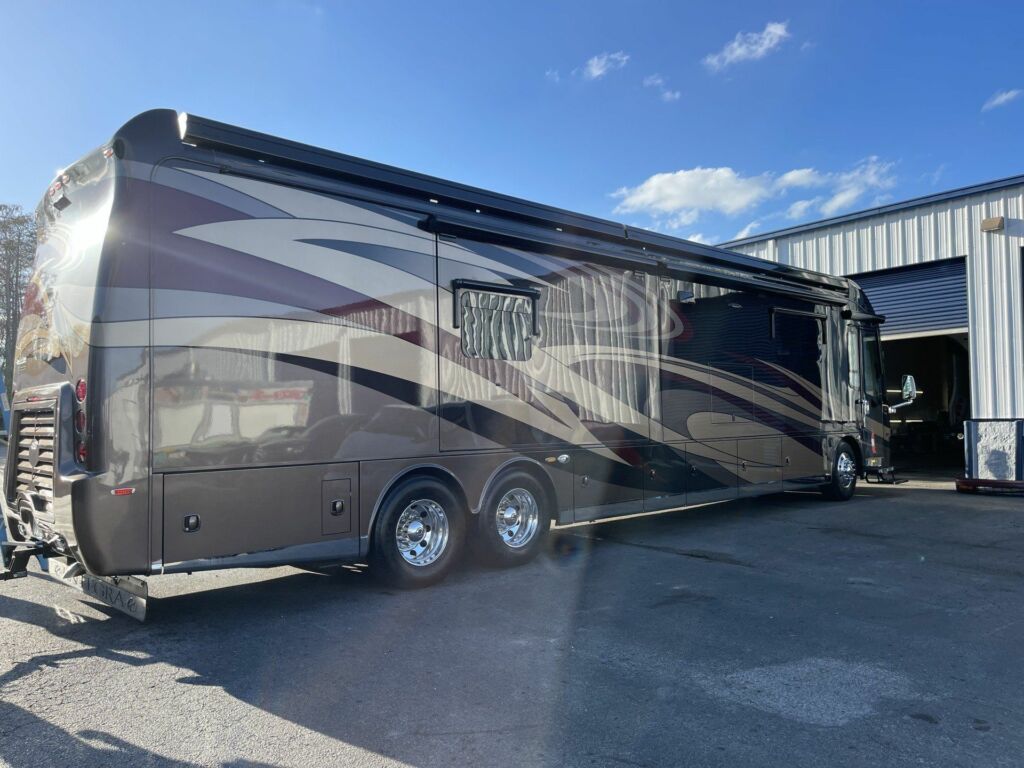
x=926, y=233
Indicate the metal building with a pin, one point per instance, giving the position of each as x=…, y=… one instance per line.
x=947, y=270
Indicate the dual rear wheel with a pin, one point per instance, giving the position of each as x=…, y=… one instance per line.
x=422, y=528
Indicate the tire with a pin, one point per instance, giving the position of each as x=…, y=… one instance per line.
x=418, y=534
x=513, y=521
x=843, y=483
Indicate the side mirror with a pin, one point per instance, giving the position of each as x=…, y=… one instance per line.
x=909, y=392
x=909, y=388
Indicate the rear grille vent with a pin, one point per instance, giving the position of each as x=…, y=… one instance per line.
x=36, y=451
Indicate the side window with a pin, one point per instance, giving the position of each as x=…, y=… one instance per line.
x=799, y=337
x=496, y=323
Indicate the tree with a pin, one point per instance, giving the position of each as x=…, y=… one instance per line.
x=17, y=250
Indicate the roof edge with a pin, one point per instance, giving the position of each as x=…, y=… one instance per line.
x=914, y=202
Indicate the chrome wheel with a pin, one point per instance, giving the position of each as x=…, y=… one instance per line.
x=422, y=532
x=517, y=517
x=846, y=467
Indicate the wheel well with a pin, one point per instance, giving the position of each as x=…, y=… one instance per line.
x=437, y=473
x=532, y=469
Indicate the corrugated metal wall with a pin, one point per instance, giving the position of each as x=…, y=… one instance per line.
x=942, y=230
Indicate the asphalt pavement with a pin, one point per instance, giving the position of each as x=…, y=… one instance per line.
x=785, y=631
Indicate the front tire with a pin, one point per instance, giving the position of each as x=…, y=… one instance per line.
x=418, y=534
x=844, y=474
x=513, y=520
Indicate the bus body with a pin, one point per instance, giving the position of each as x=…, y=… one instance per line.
x=240, y=351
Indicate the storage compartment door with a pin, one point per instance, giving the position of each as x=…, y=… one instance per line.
x=712, y=468
x=237, y=511
x=760, y=466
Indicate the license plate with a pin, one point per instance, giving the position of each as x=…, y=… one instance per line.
x=125, y=593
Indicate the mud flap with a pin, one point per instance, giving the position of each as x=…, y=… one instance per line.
x=127, y=594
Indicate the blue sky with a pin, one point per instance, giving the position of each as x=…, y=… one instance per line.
x=703, y=120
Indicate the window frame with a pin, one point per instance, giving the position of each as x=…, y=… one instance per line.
x=461, y=284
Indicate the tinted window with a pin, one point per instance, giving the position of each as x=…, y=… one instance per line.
x=798, y=343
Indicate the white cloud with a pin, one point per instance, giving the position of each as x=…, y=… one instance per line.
x=801, y=177
x=698, y=237
x=553, y=76
x=935, y=175
x=749, y=46
x=677, y=200
x=684, y=194
x=657, y=81
x=682, y=219
x=1000, y=98
x=688, y=192
x=600, y=65
x=870, y=175
x=748, y=230
x=800, y=208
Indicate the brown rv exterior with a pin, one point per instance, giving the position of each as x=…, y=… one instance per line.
x=275, y=340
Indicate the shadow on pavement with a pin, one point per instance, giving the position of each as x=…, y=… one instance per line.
x=587, y=656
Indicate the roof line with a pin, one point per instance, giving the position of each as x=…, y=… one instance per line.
x=207, y=133
x=914, y=202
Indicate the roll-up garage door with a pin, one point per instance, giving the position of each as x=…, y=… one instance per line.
x=922, y=299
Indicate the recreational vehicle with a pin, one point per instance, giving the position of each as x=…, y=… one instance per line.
x=241, y=351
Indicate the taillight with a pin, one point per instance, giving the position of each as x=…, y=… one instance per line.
x=81, y=421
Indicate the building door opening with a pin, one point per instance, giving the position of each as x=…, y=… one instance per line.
x=927, y=435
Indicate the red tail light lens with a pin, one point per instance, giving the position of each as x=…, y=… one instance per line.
x=81, y=390
x=81, y=453
x=80, y=422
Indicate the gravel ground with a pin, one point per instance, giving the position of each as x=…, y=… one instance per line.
x=782, y=631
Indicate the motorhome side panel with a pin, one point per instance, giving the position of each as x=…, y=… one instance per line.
x=289, y=328
x=539, y=349
x=742, y=375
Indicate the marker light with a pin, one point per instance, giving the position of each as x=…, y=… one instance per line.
x=81, y=453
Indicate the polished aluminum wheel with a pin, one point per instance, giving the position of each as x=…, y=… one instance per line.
x=517, y=517
x=847, y=469
x=422, y=532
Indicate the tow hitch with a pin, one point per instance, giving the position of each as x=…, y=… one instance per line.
x=127, y=594
x=16, y=555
